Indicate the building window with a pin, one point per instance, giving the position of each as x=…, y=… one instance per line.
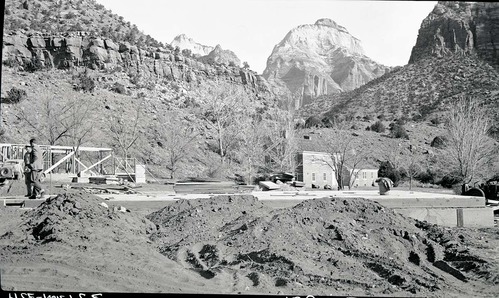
x=364, y=175
x=313, y=177
x=372, y=175
x=325, y=177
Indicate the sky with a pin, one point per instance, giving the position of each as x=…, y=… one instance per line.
x=251, y=28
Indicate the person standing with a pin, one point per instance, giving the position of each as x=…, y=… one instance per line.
x=36, y=169
x=27, y=171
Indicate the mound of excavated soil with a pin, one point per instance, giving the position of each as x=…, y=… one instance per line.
x=75, y=218
x=73, y=243
x=322, y=246
x=190, y=221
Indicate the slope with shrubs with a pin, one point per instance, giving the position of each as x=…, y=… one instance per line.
x=54, y=17
x=419, y=91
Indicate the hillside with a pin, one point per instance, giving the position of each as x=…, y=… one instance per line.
x=63, y=16
x=418, y=91
x=54, y=76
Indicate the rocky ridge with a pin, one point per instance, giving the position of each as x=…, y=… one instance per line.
x=464, y=28
x=43, y=34
x=221, y=56
x=320, y=59
x=184, y=42
x=417, y=91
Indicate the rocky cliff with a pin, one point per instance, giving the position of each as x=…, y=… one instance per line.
x=319, y=59
x=187, y=43
x=221, y=56
x=464, y=28
x=80, y=49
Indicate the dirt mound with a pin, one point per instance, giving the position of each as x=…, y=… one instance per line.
x=330, y=245
x=75, y=218
x=191, y=221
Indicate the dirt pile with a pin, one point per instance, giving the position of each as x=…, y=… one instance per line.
x=75, y=218
x=190, y=221
x=326, y=246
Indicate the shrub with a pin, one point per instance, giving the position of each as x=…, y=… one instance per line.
x=11, y=62
x=398, y=131
x=85, y=83
x=33, y=65
x=367, y=118
x=427, y=176
x=313, y=121
x=378, y=127
x=119, y=88
x=401, y=121
x=70, y=15
x=436, y=121
x=438, y=142
x=15, y=95
x=450, y=180
x=386, y=169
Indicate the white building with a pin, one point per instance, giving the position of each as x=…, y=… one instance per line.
x=316, y=168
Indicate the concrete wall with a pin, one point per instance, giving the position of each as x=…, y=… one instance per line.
x=452, y=217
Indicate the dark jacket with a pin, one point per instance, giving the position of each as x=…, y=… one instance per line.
x=36, y=158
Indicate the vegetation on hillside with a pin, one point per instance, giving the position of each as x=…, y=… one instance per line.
x=62, y=17
x=419, y=92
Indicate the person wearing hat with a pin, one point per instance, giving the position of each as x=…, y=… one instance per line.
x=36, y=167
x=27, y=170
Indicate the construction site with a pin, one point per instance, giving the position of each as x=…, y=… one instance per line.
x=106, y=226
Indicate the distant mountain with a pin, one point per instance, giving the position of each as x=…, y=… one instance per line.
x=64, y=34
x=464, y=28
x=319, y=59
x=417, y=91
x=221, y=56
x=455, y=55
x=184, y=42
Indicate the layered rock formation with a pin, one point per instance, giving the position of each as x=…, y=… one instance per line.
x=463, y=28
x=221, y=56
x=184, y=42
x=319, y=59
x=63, y=52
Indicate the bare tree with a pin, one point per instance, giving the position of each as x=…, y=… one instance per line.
x=347, y=156
x=222, y=105
x=124, y=131
x=468, y=146
x=177, y=137
x=280, y=145
x=250, y=152
x=52, y=122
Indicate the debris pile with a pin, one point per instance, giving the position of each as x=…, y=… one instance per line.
x=191, y=221
x=330, y=245
x=78, y=217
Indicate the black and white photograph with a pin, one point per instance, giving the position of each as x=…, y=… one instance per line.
x=249, y=147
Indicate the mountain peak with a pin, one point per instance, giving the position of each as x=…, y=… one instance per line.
x=184, y=42
x=317, y=59
x=330, y=23
x=465, y=28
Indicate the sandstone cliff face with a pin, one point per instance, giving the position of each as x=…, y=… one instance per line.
x=463, y=28
x=319, y=59
x=63, y=52
x=184, y=42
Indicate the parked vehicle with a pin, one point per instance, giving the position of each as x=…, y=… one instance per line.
x=12, y=169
